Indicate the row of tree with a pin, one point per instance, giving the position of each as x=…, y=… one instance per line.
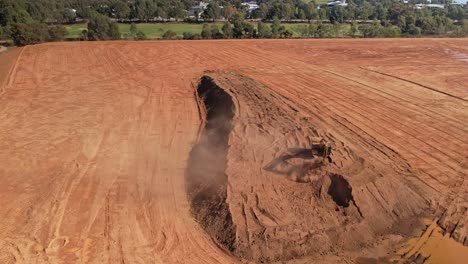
x=62, y=11
x=239, y=28
x=316, y=29
x=100, y=27
x=34, y=33
x=26, y=21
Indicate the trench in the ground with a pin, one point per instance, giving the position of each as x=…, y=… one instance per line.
x=206, y=169
x=340, y=190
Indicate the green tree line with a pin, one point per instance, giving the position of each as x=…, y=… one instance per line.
x=25, y=21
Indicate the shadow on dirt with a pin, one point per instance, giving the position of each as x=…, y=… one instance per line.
x=295, y=163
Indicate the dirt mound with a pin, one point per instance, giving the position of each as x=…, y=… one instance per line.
x=285, y=206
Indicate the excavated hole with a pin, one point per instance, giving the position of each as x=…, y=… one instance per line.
x=340, y=190
x=206, y=177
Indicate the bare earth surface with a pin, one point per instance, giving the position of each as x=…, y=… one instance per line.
x=106, y=158
x=7, y=60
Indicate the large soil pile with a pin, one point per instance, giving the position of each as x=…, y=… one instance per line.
x=278, y=203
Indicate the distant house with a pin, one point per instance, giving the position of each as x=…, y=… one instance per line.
x=337, y=3
x=251, y=6
x=457, y=4
x=421, y=6
x=197, y=10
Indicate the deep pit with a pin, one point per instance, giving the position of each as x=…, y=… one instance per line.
x=340, y=190
x=206, y=178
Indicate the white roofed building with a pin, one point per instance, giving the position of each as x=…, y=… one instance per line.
x=251, y=5
x=196, y=10
x=337, y=3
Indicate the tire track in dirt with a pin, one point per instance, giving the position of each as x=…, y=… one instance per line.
x=350, y=110
x=418, y=84
x=458, y=123
x=437, y=175
x=141, y=94
x=9, y=76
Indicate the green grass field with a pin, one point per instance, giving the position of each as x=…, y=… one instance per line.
x=74, y=30
x=156, y=30
x=152, y=31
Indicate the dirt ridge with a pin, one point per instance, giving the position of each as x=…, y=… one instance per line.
x=205, y=175
x=351, y=211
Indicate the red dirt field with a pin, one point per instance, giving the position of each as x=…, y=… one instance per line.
x=174, y=152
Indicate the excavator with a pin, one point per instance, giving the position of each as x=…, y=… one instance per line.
x=319, y=151
x=321, y=148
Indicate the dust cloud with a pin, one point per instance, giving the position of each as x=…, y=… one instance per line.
x=206, y=176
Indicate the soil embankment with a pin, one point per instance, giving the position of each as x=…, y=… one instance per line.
x=282, y=203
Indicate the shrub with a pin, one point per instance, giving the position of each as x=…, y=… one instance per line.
x=371, y=30
x=227, y=30
x=101, y=27
x=276, y=27
x=264, y=30
x=84, y=35
x=28, y=34
x=6, y=30
x=286, y=33
x=206, y=31
x=390, y=31
x=68, y=16
x=169, y=34
x=215, y=33
x=34, y=33
x=191, y=36
x=414, y=30
x=57, y=33
x=140, y=36
x=249, y=30
x=187, y=35
x=133, y=29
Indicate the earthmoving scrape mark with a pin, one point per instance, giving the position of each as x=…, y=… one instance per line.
x=9, y=79
x=205, y=176
x=415, y=83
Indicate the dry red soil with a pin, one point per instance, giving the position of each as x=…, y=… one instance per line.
x=176, y=152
